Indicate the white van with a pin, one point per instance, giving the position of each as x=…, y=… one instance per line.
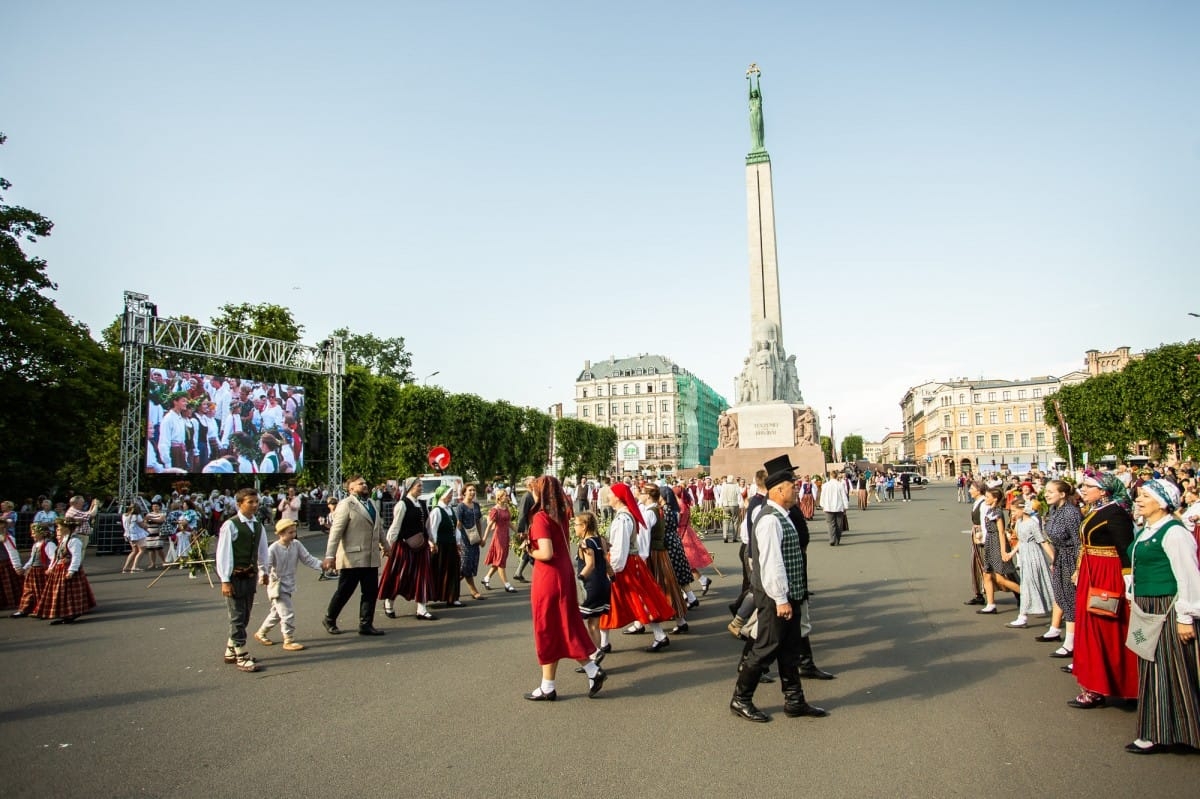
x=430, y=483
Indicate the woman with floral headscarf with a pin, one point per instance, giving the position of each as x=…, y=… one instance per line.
x=1103, y=665
x=1166, y=580
x=558, y=628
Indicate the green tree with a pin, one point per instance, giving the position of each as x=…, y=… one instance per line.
x=827, y=448
x=1163, y=391
x=852, y=448
x=264, y=319
x=385, y=357
x=60, y=388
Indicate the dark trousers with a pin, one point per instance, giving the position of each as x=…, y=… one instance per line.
x=240, y=605
x=977, y=568
x=367, y=579
x=777, y=640
x=905, y=491
x=837, y=525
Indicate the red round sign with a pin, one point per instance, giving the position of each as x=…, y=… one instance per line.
x=439, y=458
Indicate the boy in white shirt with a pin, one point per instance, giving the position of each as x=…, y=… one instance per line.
x=282, y=559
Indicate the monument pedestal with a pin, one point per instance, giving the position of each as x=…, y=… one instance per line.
x=753, y=434
x=807, y=458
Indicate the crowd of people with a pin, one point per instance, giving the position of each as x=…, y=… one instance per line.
x=1111, y=557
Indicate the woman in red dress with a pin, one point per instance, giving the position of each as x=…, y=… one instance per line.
x=1103, y=665
x=558, y=628
x=698, y=556
x=498, y=526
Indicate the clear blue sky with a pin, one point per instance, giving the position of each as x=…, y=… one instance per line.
x=962, y=189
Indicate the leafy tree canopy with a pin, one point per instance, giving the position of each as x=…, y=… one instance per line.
x=385, y=357
x=265, y=319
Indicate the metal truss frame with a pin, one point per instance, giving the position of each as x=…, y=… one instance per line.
x=142, y=329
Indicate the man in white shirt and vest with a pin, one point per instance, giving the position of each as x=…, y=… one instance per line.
x=777, y=572
x=834, y=502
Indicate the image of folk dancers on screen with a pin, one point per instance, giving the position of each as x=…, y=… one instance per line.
x=218, y=425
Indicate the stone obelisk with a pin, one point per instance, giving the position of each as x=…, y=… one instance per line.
x=770, y=417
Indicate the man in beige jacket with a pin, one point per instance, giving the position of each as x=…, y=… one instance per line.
x=356, y=543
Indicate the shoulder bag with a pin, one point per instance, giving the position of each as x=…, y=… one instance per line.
x=1144, y=628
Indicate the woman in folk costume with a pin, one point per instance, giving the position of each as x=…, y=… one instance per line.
x=808, y=498
x=658, y=560
x=698, y=556
x=446, y=556
x=558, y=629
x=1103, y=665
x=669, y=507
x=635, y=596
x=1166, y=581
x=34, y=570
x=10, y=560
x=67, y=594
x=409, y=571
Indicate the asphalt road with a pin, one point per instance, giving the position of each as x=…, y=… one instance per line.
x=931, y=700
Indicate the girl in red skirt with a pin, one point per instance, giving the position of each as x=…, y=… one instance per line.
x=67, y=594
x=34, y=570
x=635, y=596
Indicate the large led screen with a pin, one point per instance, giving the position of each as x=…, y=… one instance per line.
x=215, y=424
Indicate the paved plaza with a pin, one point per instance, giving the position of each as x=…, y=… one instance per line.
x=931, y=700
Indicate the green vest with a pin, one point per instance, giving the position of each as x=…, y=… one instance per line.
x=245, y=546
x=1152, y=575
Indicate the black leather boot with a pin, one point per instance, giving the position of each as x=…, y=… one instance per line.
x=808, y=668
x=742, y=703
x=794, y=703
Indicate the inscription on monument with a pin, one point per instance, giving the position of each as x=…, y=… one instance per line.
x=765, y=426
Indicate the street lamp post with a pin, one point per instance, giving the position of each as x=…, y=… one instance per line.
x=832, y=437
x=431, y=374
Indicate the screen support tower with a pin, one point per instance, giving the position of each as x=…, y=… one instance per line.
x=142, y=329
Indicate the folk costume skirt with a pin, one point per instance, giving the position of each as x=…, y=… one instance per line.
x=664, y=576
x=446, y=574
x=697, y=556
x=1103, y=664
x=10, y=583
x=408, y=573
x=61, y=597
x=35, y=583
x=635, y=596
x=807, y=506
x=679, y=561
x=1169, y=688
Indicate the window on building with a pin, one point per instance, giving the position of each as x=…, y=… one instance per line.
x=625, y=427
x=662, y=386
x=665, y=406
x=1020, y=393
x=978, y=417
x=964, y=442
x=1023, y=414
x=650, y=451
x=979, y=398
x=599, y=409
x=1037, y=392
x=637, y=388
x=995, y=440
x=612, y=409
x=1006, y=395
x=666, y=428
x=1010, y=440
x=1024, y=439
x=1008, y=414
x=625, y=407
x=600, y=390
x=991, y=417
x=991, y=396
x=1037, y=414
x=962, y=399
x=978, y=442
x=1041, y=439
x=946, y=420
x=962, y=417
x=650, y=428
x=585, y=393
x=585, y=412
x=637, y=429
x=637, y=407
x=624, y=388
x=945, y=401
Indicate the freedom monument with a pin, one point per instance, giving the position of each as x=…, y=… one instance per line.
x=770, y=417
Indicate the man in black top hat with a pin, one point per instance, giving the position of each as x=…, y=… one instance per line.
x=777, y=572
